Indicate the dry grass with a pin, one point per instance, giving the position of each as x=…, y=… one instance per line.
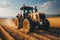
x=5, y=34
x=16, y=34
x=54, y=21
x=8, y=22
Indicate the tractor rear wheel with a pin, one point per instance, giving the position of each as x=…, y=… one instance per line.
x=46, y=25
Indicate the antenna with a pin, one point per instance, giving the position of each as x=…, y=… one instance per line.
x=24, y=10
x=35, y=8
x=23, y=5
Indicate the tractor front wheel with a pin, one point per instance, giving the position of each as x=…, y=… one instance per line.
x=26, y=26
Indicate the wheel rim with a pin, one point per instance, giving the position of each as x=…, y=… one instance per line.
x=26, y=25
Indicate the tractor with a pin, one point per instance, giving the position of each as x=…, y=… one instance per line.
x=30, y=19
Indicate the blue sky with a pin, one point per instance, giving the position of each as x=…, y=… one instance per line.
x=11, y=7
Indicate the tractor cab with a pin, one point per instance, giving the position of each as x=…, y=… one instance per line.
x=26, y=10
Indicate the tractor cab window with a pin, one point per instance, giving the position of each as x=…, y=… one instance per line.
x=30, y=11
x=26, y=11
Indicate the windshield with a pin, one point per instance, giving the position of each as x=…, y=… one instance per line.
x=28, y=11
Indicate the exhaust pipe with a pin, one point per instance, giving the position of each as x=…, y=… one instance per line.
x=35, y=8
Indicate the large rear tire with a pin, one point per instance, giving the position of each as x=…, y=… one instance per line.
x=45, y=25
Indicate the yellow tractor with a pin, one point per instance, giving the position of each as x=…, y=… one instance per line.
x=30, y=20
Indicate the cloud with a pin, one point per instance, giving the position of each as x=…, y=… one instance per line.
x=5, y=3
x=47, y=7
x=7, y=9
x=48, y=4
x=59, y=10
x=6, y=12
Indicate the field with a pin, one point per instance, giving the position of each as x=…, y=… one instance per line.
x=54, y=21
x=9, y=31
x=54, y=25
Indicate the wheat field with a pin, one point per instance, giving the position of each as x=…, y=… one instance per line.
x=54, y=21
x=9, y=31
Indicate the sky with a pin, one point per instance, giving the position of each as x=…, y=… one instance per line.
x=12, y=7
